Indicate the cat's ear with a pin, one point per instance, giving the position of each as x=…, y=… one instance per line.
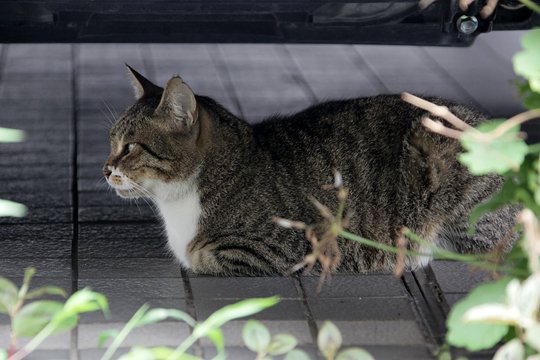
x=178, y=101
x=141, y=85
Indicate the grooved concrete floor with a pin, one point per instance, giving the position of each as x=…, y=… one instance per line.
x=80, y=234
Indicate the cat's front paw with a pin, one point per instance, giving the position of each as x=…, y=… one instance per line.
x=204, y=261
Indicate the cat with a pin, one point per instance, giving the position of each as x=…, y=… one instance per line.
x=218, y=181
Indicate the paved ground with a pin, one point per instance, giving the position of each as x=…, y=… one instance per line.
x=80, y=234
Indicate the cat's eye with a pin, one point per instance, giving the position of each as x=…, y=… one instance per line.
x=128, y=148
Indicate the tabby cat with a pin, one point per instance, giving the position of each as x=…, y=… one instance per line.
x=218, y=180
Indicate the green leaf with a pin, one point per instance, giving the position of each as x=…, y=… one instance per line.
x=524, y=65
x=527, y=62
x=3, y=354
x=532, y=337
x=518, y=188
x=138, y=353
x=477, y=336
x=234, y=311
x=107, y=335
x=156, y=353
x=537, y=196
x=161, y=352
x=499, y=155
x=32, y=318
x=45, y=290
x=64, y=321
x=518, y=258
x=256, y=336
x=159, y=314
x=329, y=340
x=354, y=354
x=86, y=300
x=217, y=338
x=10, y=208
x=29, y=273
x=8, y=295
x=297, y=354
x=11, y=135
x=281, y=344
x=530, y=98
x=530, y=41
x=444, y=355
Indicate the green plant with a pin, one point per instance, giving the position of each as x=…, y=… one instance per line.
x=40, y=319
x=255, y=335
x=258, y=339
x=506, y=309
x=329, y=341
x=211, y=328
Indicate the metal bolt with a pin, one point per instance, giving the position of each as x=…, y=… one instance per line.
x=467, y=24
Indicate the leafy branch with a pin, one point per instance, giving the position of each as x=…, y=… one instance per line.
x=40, y=319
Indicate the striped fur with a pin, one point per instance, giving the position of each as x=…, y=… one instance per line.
x=398, y=175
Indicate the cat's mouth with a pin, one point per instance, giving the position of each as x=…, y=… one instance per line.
x=124, y=187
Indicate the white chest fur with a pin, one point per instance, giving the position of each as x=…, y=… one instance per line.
x=181, y=217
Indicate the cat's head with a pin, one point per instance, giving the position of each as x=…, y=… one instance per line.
x=154, y=144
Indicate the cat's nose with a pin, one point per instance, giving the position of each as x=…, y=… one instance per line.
x=106, y=172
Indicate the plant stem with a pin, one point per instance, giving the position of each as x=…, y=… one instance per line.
x=341, y=209
x=438, y=253
x=131, y=324
x=347, y=235
x=12, y=344
x=437, y=110
x=34, y=343
x=440, y=129
x=531, y=5
x=182, y=348
x=509, y=124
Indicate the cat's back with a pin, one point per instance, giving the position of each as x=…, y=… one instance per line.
x=371, y=124
x=379, y=122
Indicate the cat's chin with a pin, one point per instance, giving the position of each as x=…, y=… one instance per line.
x=127, y=194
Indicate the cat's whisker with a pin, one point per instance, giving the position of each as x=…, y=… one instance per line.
x=113, y=110
x=151, y=206
x=101, y=183
x=141, y=188
x=106, y=120
x=135, y=201
x=144, y=191
x=114, y=116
